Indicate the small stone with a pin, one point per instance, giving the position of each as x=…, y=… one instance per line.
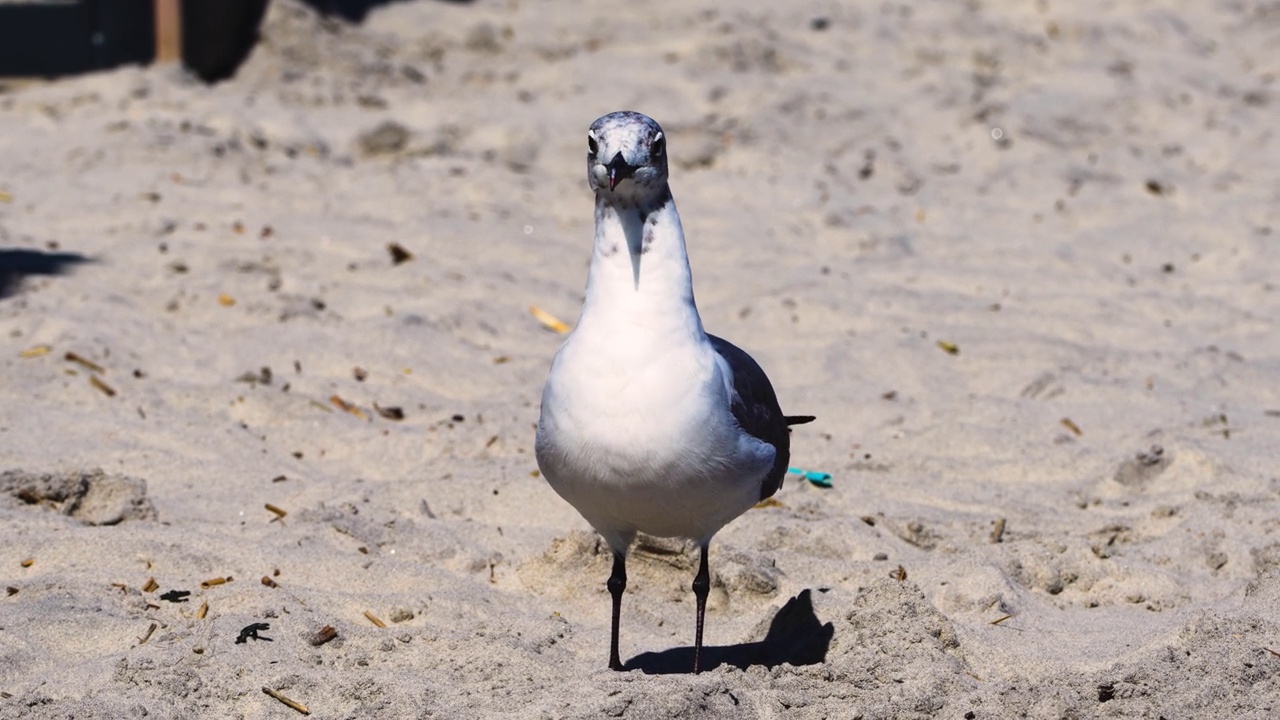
x=386, y=139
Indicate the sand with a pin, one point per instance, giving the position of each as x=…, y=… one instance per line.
x=1020, y=259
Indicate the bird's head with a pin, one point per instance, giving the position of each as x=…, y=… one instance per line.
x=626, y=157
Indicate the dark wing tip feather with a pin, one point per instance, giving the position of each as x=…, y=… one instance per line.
x=755, y=407
x=799, y=419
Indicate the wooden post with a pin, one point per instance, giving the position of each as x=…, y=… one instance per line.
x=168, y=30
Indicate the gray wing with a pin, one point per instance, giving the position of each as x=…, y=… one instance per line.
x=755, y=407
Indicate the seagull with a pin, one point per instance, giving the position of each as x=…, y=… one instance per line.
x=649, y=424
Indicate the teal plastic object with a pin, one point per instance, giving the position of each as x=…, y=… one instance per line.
x=820, y=479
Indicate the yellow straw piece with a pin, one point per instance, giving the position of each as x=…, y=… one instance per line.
x=549, y=321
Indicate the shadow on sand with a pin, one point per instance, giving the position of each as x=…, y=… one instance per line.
x=15, y=265
x=795, y=636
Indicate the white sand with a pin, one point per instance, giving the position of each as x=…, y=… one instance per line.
x=1113, y=260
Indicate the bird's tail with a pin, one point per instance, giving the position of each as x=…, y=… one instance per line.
x=798, y=419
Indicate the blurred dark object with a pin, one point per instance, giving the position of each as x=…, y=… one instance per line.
x=355, y=10
x=48, y=38
x=217, y=35
x=51, y=37
x=16, y=265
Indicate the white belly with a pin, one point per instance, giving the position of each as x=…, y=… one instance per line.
x=654, y=449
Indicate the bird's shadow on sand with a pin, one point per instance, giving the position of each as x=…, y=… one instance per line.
x=15, y=265
x=795, y=636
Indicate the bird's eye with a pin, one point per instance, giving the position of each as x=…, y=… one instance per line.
x=657, y=144
x=592, y=147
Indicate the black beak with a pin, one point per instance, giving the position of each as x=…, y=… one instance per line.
x=619, y=170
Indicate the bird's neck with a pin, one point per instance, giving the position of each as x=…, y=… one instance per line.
x=639, y=277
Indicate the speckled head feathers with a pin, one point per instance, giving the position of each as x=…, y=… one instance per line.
x=626, y=157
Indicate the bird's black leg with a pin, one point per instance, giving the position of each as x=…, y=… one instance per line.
x=617, y=583
x=701, y=586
